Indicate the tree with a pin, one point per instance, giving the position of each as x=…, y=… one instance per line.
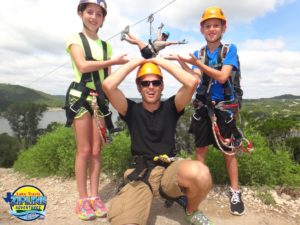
x=294, y=144
x=276, y=130
x=185, y=140
x=9, y=148
x=24, y=119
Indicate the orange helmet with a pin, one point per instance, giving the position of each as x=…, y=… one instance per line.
x=213, y=12
x=148, y=68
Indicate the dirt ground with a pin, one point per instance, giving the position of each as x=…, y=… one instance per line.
x=61, y=196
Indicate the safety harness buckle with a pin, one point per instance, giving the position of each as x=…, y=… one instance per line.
x=73, y=108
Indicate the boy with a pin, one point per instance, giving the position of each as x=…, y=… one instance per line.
x=213, y=89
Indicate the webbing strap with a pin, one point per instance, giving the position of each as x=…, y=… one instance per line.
x=181, y=200
x=143, y=167
x=204, y=91
x=152, y=47
x=72, y=110
x=101, y=98
x=142, y=171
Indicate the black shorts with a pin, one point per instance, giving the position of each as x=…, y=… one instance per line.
x=202, y=127
x=147, y=53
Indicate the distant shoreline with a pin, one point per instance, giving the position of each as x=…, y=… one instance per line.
x=54, y=109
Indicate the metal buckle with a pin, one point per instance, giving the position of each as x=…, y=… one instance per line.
x=196, y=118
x=109, y=113
x=71, y=108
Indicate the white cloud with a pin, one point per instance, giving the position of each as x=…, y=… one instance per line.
x=32, y=41
x=269, y=72
x=277, y=44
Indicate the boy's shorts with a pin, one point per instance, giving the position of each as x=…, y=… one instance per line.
x=202, y=128
x=133, y=203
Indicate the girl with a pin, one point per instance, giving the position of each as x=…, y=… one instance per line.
x=80, y=95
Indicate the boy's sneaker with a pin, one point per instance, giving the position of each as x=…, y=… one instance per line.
x=197, y=218
x=236, y=203
x=98, y=206
x=84, y=210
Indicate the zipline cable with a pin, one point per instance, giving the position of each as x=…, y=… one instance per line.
x=62, y=65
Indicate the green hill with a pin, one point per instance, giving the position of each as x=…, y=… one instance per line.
x=15, y=93
x=286, y=97
x=280, y=106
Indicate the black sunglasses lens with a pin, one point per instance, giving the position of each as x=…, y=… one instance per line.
x=156, y=83
x=146, y=83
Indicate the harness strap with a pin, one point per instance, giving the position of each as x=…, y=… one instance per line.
x=143, y=167
x=101, y=98
x=151, y=47
x=181, y=200
x=204, y=93
x=89, y=77
x=204, y=90
x=72, y=110
x=142, y=171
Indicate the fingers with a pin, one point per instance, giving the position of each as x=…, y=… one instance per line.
x=193, y=56
x=182, y=58
x=171, y=57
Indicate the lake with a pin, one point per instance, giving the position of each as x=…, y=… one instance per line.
x=48, y=117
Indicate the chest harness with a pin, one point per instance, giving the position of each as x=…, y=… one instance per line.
x=99, y=99
x=237, y=144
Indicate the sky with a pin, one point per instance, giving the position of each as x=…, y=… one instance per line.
x=266, y=33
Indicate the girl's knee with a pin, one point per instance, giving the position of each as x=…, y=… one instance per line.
x=96, y=151
x=84, y=152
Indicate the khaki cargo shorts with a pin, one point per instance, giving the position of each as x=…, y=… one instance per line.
x=133, y=203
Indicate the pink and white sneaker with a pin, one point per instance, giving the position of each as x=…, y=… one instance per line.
x=84, y=210
x=98, y=206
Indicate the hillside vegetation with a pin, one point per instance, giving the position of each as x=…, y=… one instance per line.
x=10, y=94
x=283, y=106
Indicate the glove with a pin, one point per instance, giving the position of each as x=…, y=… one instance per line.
x=182, y=42
x=161, y=26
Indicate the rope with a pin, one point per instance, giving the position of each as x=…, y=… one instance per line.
x=97, y=118
x=57, y=68
x=48, y=73
x=142, y=20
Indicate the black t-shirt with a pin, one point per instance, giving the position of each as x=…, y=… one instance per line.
x=152, y=133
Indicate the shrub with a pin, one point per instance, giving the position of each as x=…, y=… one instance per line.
x=116, y=156
x=267, y=167
x=263, y=166
x=53, y=154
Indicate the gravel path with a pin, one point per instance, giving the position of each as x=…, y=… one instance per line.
x=61, y=196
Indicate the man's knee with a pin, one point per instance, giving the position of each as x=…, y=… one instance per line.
x=194, y=170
